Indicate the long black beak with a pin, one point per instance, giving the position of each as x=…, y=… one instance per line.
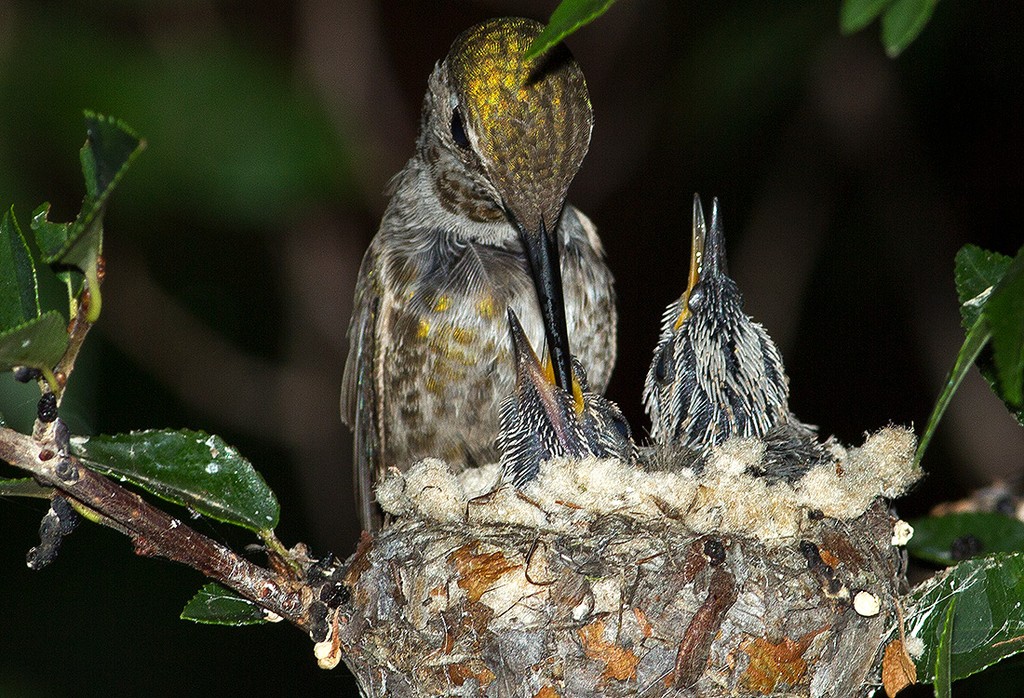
x=542, y=254
x=714, y=245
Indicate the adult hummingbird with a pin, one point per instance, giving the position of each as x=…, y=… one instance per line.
x=477, y=222
x=541, y=421
x=716, y=373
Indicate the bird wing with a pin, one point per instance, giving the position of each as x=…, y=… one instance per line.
x=358, y=394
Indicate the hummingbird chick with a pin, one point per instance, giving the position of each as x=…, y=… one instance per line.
x=541, y=421
x=477, y=222
x=717, y=374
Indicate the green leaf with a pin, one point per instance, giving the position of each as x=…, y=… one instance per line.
x=569, y=16
x=903, y=21
x=977, y=272
x=980, y=276
x=19, y=292
x=857, y=14
x=1005, y=314
x=109, y=149
x=943, y=657
x=50, y=237
x=934, y=536
x=988, y=619
x=24, y=487
x=38, y=343
x=190, y=468
x=215, y=605
x=975, y=341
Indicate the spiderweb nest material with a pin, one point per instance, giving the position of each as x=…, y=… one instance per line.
x=604, y=579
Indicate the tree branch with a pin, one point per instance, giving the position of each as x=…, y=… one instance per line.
x=155, y=533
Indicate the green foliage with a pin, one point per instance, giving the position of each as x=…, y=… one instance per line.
x=215, y=605
x=991, y=291
x=990, y=287
x=23, y=487
x=902, y=20
x=977, y=272
x=985, y=626
x=944, y=654
x=109, y=149
x=935, y=537
x=1005, y=314
x=190, y=468
x=976, y=340
x=569, y=16
x=19, y=293
x=235, y=132
x=27, y=338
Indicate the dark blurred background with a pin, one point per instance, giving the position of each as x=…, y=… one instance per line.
x=847, y=182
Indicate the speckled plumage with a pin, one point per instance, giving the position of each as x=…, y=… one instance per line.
x=540, y=421
x=429, y=360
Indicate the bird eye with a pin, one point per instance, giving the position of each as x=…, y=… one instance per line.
x=459, y=130
x=622, y=427
x=663, y=368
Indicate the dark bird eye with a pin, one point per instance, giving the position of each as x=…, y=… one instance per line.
x=663, y=368
x=459, y=131
x=622, y=427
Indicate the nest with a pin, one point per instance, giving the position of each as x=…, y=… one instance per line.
x=603, y=579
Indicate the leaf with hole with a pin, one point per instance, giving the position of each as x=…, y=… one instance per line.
x=109, y=149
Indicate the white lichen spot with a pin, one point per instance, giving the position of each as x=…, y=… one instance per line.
x=212, y=468
x=902, y=532
x=867, y=604
x=914, y=646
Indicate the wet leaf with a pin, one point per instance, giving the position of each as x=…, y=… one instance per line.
x=190, y=468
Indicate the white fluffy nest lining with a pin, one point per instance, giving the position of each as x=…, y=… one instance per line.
x=570, y=495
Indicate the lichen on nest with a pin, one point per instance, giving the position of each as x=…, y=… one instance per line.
x=725, y=497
